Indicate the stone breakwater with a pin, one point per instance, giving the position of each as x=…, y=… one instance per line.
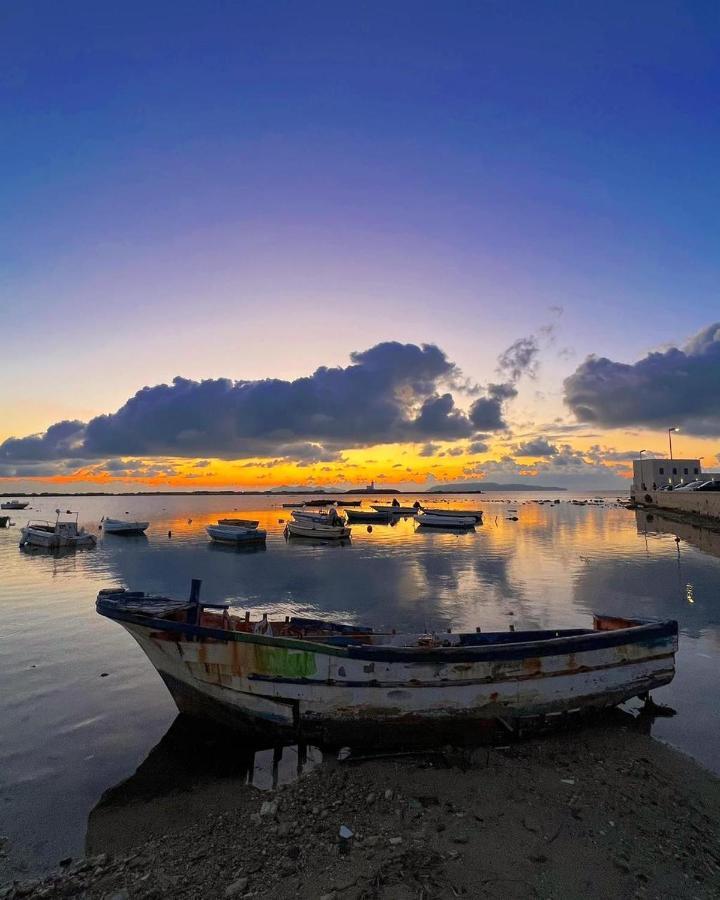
x=606, y=812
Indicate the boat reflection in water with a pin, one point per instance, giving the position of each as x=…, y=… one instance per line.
x=191, y=773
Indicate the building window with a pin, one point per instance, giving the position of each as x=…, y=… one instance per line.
x=674, y=471
x=697, y=471
x=685, y=471
x=662, y=470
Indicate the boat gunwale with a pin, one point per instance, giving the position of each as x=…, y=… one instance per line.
x=593, y=639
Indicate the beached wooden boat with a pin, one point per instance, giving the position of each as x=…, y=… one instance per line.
x=334, y=683
x=124, y=527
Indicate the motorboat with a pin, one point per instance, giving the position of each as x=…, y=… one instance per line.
x=293, y=505
x=4, y=521
x=124, y=526
x=398, y=510
x=435, y=520
x=57, y=534
x=366, y=515
x=344, y=684
x=15, y=504
x=236, y=531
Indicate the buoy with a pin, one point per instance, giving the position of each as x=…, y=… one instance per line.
x=169, y=533
x=369, y=528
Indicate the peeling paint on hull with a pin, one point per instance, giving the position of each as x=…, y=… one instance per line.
x=328, y=696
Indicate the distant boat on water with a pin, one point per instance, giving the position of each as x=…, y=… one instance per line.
x=124, y=527
x=15, y=504
x=328, y=526
x=340, y=684
x=398, y=510
x=366, y=515
x=474, y=514
x=435, y=520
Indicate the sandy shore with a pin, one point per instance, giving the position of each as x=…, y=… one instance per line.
x=603, y=812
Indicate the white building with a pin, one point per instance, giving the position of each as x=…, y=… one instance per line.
x=652, y=474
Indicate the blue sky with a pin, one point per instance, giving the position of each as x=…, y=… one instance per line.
x=251, y=190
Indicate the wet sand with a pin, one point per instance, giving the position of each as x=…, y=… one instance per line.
x=602, y=812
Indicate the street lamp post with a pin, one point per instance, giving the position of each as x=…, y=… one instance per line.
x=670, y=431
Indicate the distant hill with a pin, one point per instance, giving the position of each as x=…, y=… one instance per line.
x=464, y=487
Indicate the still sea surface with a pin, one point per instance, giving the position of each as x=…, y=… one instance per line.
x=82, y=709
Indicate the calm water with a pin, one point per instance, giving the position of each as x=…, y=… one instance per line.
x=82, y=708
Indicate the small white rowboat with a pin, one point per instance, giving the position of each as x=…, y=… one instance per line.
x=236, y=531
x=475, y=514
x=309, y=528
x=321, y=681
x=436, y=520
x=124, y=526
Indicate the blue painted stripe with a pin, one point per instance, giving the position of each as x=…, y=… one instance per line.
x=649, y=635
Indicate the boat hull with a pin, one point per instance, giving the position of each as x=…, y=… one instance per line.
x=51, y=541
x=125, y=528
x=300, y=690
x=433, y=520
x=228, y=535
x=310, y=529
x=356, y=515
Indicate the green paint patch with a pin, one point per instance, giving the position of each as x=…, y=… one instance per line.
x=281, y=661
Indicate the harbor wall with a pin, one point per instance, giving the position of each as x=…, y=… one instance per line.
x=693, y=503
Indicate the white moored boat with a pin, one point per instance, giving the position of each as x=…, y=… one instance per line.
x=331, y=683
x=57, y=534
x=14, y=504
x=328, y=526
x=398, y=510
x=475, y=514
x=437, y=520
x=310, y=529
x=124, y=526
x=237, y=531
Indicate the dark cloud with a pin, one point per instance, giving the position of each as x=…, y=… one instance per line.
x=60, y=441
x=478, y=447
x=390, y=393
x=520, y=358
x=486, y=413
x=536, y=447
x=428, y=450
x=678, y=386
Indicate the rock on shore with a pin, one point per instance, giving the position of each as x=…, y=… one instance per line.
x=598, y=813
